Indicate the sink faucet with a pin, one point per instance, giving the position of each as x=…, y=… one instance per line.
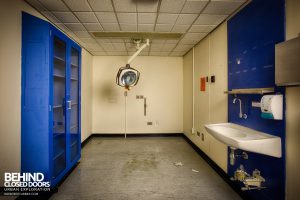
x=241, y=115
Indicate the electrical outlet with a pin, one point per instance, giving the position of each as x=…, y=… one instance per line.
x=198, y=133
x=149, y=123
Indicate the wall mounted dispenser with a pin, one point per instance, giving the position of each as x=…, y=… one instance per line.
x=272, y=107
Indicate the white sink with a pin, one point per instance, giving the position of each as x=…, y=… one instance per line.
x=246, y=139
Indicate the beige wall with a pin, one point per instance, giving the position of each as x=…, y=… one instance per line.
x=292, y=110
x=86, y=94
x=10, y=85
x=210, y=58
x=160, y=82
x=188, y=92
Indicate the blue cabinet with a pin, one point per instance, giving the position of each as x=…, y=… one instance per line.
x=50, y=141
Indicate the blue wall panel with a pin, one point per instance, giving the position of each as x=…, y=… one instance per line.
x=252, y=35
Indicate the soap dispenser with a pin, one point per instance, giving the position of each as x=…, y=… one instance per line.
x=272, y=107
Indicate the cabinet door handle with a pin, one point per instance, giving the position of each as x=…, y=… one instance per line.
x=69, y=105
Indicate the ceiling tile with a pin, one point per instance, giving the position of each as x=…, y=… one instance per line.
x=164, y=18
x=82, y=34
x=36, y=4
x=107, y=46
x=78, y=5
x=163, y=27
x=88, y=40
x=145, y=27
x=125, y=5
x=66, y=17
x=110, y=26
x=103, y=5
x=75, y=26
x=190, y=41
x=130, y=18
x=146, y=18
x=192, y=6
x=158, y=41
x=159, y=53
x=172, y=41
x=115, y=40
x=180, y=28
x=119, y=46
x=177, y=53
x=54, y=5
x=147, y=6
x=94, y=47
x=156, y=47
x=106, y=17
x=168, y=47
x=128, y=27
x=93, y=26
x=86, y=17
x=222, y=7
x=103, y=40
x=186, y=19
x=202, y=28
x=99, y=53
x=194, y=36
x=183, y=47
x=50, y=16
x=117, y=53
x=130, y=47
x=143, y=53
x=207, y=19
x=171, y=6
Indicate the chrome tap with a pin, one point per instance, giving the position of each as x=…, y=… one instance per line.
x=241, y=115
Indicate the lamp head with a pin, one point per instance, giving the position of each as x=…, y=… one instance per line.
x=127, y=77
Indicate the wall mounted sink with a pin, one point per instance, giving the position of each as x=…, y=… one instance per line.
x=246, y=139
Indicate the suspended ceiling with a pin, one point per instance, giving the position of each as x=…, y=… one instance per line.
x=193, y=19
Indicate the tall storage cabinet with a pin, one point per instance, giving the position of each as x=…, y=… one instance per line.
x=50, y=141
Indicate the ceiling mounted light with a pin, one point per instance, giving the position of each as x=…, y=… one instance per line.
x=128, y=76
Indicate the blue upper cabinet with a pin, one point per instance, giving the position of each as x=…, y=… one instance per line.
x=251, y=56
x=50, y=141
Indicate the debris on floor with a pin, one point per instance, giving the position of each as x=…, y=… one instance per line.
x=178, y=164
x=196, y=171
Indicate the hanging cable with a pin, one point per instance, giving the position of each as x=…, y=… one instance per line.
x=125, y=116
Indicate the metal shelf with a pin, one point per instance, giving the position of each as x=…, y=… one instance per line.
x=251, y=91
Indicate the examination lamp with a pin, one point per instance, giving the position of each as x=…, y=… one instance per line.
x=128, y=76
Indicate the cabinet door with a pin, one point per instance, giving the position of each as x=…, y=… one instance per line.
x=74, y=107
x=59, y=109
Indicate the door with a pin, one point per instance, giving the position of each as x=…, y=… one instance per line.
x=59, y=102
x=74, y=104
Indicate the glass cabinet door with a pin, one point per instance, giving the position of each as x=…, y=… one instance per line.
x=59, y=119
x=74, y=112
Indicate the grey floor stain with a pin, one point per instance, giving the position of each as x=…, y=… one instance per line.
x=143, y=169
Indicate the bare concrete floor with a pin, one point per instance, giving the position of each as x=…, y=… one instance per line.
x=143, y=169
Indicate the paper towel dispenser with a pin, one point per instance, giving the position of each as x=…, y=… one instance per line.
x=272, y=107
x=287, y=63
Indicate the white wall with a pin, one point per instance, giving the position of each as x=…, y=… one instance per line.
x=292, y=110
x=160, y=83
x=10, y=85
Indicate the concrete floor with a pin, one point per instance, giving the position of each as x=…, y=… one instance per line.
x=142, y=169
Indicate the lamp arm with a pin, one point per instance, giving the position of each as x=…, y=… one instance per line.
x=138, y=51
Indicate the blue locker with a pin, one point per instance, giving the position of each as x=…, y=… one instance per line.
x=50, y=118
